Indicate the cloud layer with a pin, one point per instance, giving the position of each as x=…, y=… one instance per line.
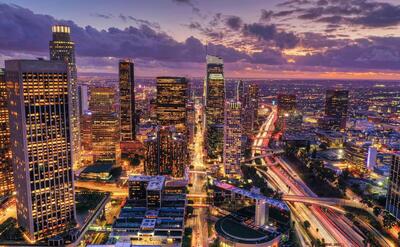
x=260, y=43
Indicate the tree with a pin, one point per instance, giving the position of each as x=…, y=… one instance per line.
x=388, y=220
x=377, y=211
x=307, y=224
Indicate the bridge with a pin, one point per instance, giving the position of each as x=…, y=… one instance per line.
x=333, y=203
x=269, y=153
x=323, y=201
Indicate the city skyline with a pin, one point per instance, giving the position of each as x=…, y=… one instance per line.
x=278, y=39
x=143, y=128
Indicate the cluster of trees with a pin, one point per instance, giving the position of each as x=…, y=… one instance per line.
x=322, y=179
x=259, y=182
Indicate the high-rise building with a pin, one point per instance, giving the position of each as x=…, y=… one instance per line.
x=104, y=124
x=289, y=119
x=6, y=171
x=286, y=104
x=172, y=99
x=40, y=123
x=336, y=106
x=232, y=139
x=240, y=91
x=62, y=48
x=166, y=153
x=214, y=101
x=191, y=120
x=127, y=100
x=250, y=109
x=393, y=194
x=86, y=131
x=83, y=94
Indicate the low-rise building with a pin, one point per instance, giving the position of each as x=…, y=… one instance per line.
x=153, y=215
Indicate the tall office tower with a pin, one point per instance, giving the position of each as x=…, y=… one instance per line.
x=62, y=48
x=240, y=91
x=393, y=194
x=40, y=112
x=336, y=106
x=166, y=153
x=289, y=119
x=286, y=104
x=127, y=100
x=83, y=95
x=191, y=120
x=86, y=131
x=104, y=124
x=6, y=171
x=214, y=106
x=232, y=139
x=172, y=100
x=250, y=109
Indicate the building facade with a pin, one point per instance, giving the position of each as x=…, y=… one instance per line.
x=62, y=48
x=83, y=93
x=104, y=124
x=166, y=153
x=250, y=109
x=232, y=139
x=41, y=145
x=393, y=195
x=336, y=107
x=214, y=102
x=172, y=100
x=6, y=171
x=127, y=100
x=286, y=104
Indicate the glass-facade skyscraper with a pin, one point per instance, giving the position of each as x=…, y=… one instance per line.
x=393, y=194
x=104, y=124
x=40, y=124
x=62, y=48
x=172, y=100
x=166, y=153
x=6, y=172
x=336, y=107
x=214, y=106
x=232, y=138
x=127, y=100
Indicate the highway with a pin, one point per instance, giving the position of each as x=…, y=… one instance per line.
x=198, y=179
x=326, y=224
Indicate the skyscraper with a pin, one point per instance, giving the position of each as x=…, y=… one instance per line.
x=127, y=100
x=393, y=194
x=6, y=171
x=172, y=100
x=40, y=111
x=232, y=139
x=166, y=153
x=250, y=109
x=62, y=48
x=286, y=104
x=336, y=106
x=240, y=91
x=104, y=124
x=214, y=106
x=83, y=95
x=289, y=119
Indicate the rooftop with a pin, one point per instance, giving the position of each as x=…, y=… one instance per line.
x=99, y=167
x=230, y=228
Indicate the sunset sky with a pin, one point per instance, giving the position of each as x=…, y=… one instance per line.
x=343, y=39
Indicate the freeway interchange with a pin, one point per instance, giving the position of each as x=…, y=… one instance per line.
x=327, y=223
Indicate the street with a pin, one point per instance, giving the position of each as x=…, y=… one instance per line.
x=198, y=179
